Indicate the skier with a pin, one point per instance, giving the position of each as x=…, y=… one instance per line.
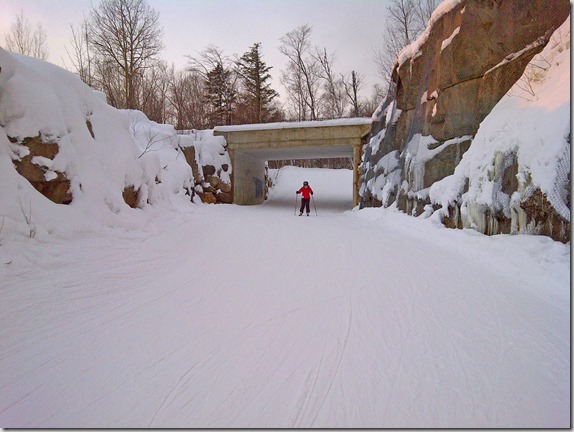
x=306, y=191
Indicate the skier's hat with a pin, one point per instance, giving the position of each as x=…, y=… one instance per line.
x=306, y=183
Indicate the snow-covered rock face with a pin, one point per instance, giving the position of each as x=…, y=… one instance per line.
x=210, y=163
x=61, y=143
x=446, y=86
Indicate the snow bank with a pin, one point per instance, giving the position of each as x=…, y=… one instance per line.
x=102, y=151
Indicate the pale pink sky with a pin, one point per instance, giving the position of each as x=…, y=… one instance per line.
x=350, y=28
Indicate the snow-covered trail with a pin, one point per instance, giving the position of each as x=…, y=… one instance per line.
x=227, y=316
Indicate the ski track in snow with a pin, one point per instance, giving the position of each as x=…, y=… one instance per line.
x=228, y=317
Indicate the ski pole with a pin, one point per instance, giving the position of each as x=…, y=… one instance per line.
x=314, y=206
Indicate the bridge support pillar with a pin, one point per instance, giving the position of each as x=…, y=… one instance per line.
x=248, y=179
x=357, y=153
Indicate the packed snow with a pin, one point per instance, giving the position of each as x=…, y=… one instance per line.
x=228, y=316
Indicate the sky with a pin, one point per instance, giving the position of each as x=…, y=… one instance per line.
x=350, y=29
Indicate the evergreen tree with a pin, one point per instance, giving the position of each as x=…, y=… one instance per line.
x=221, y=95
x=257, y=94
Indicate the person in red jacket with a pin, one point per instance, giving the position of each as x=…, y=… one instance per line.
x=306, y=193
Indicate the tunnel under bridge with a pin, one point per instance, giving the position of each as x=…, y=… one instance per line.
x=250, y=146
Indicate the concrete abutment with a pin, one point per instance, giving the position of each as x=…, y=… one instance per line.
x=248, y=179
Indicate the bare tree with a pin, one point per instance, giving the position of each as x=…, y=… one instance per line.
x=26, y=40
x=81, y=56
x=370, y=104
x=127, y=35
x=352, y=85
x=423, y=11
x=154, y=84
x=400, y=31
x=186, y=100
x=333, y=96
x=406, y=20
x=302, y=77
x=293, y=83
x=208, y=59
x=109, y=80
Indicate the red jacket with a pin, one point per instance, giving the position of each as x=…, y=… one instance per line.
x=306, y=191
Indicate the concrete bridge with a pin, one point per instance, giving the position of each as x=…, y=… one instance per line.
x=249, y=146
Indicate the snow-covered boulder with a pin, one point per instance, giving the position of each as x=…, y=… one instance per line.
x=61, y=143
x=55, y=130
x=207, y=155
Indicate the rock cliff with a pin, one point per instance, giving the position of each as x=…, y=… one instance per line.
x=443, y=87
x=212, y=179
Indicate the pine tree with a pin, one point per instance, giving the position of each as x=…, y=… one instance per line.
x=220, y=95
x=257, y=94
